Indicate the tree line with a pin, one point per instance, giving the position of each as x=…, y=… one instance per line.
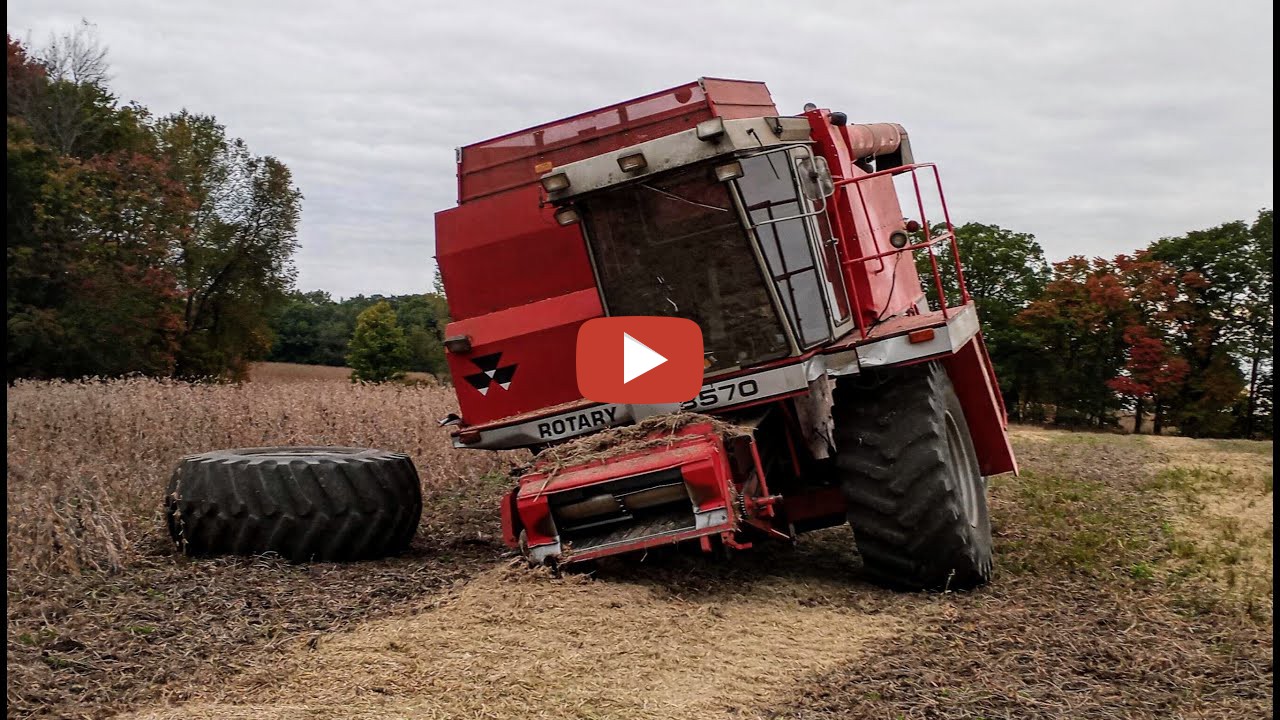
x=136, y=243
x=314, y=329
x=1180, y=331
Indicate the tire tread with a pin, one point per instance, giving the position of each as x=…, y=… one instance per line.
x=348, y=504
x=892, y=461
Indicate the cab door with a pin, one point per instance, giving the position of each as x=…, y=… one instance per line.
x=828, y=247
x=797, y=246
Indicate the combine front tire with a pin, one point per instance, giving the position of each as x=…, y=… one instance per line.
x=917, y=500
x=303, y=503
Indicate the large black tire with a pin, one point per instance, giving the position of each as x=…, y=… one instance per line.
x=303, y=503
x=916, y=499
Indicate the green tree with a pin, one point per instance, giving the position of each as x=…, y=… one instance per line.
x=426, y=352
x=133, y=245
x=234, y=263
x=1255, y=417
x=424, y=318
x=1228, y=326
x=1005, y=271
x=310, y=328
x=378, y=351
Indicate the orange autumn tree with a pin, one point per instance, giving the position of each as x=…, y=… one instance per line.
x=1125, y=333
x=1153, y=372
x=1078, y=326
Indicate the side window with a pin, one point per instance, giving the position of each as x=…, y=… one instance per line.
x=834, y=272
x=774, y=207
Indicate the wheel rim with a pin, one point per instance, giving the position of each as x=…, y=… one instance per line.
x=959, y=470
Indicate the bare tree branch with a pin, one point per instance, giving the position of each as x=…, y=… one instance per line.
x=77, y=56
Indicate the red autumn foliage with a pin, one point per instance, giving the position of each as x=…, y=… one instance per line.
x=1152, y=368
x=23, y=75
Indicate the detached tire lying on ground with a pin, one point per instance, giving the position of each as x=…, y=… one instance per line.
x=304, y=503
x=916, y=497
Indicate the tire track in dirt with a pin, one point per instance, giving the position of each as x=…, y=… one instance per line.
x=515, y=643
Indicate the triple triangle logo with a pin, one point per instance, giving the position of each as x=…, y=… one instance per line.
x=491, y=373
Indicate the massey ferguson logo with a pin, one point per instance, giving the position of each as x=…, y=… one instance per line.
x=490, y=373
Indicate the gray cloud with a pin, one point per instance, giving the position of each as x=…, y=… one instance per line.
x=1097, y=126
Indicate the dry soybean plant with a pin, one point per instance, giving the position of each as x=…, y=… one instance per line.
x=88, y=460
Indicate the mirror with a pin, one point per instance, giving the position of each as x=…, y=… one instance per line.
x=815, y=177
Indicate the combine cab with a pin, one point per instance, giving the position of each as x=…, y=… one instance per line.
x=838, y=386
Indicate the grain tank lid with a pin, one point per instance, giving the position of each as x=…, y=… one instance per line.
x=513, y=160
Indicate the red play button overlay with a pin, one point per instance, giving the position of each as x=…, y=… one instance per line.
x=640, y=360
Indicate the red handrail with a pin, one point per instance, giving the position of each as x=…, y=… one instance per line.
x=929, y=241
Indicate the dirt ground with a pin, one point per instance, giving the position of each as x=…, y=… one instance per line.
x=518, y=644
x=794, y=633
x=1133, y=581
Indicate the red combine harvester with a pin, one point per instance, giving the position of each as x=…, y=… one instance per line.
x=840, y=390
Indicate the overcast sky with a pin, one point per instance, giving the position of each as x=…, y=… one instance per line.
x=1096, y=126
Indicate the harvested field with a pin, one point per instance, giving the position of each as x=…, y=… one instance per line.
x=1133, y=580
x=514, y=643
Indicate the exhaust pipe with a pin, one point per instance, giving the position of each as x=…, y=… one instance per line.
x=880, y=140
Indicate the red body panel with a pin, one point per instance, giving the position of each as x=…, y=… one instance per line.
x=506, y=252
x=975, y=382
x=536, y=342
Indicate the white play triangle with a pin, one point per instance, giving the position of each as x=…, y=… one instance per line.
x=637, y=358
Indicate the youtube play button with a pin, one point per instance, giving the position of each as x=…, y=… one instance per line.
x=639, y=360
